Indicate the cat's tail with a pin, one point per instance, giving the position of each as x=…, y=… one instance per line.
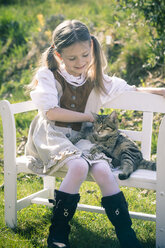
x=148, y=165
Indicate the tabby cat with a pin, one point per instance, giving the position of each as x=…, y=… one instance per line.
x=115, y=144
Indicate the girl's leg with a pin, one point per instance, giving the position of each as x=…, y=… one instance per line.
x=77, y=173
x=115, y=205
x=102, y=174
x=66, y=199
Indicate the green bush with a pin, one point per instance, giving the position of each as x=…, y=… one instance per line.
x=153, y=12
x=134, y=68
x=11, y=29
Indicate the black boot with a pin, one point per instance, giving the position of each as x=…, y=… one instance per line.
x=116, y=209
x=64, y=208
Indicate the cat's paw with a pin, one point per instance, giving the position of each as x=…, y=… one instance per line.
x=91, y=157
x=93, y=150
x=97, y=148
x=123, y=176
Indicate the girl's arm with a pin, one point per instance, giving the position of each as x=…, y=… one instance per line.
x=65, y=115
x=158, y=91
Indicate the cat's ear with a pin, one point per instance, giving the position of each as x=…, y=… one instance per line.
x=113, y=117
x=102, y=111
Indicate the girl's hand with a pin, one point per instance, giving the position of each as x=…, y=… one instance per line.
x=157, y=91
x=162, y=92
x=90, y=117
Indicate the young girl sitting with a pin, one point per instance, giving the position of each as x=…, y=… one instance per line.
x=68, y=86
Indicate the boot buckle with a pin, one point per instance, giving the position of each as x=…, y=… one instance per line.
x=117, y=212
x=59, y=244
x=66, y=212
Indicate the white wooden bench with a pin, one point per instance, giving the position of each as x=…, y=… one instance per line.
x=147, y=103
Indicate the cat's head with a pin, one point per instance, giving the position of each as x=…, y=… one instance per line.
x=105, y=125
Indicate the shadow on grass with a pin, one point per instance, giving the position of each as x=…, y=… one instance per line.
x=83, y=237
x=85, y=233
x=36, y=230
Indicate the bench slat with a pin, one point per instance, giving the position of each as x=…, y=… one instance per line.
x=138, y=101
x=22, y=107
x=96, y=209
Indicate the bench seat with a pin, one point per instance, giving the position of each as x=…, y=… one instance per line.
x=140, y=178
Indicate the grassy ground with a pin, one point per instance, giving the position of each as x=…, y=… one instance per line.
x=88, y=229
x=25, y=30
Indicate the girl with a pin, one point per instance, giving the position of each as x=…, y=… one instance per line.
x=70, y=85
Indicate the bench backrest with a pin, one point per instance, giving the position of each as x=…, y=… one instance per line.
x=148, y=104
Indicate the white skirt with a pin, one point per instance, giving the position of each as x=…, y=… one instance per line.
x=48, y=147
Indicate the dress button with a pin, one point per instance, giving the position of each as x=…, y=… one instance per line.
x=73, y=97
x=68, y=135
x=74, y=87
x=72, y=105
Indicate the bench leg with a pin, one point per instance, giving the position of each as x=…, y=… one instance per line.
x=49, y=183
x=160, y=192
x=10, y=189
x=160, y=220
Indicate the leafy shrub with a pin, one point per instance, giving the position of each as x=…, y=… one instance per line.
x=113, y=52
x=155, y=18
x=134, y=68
x=11, y=30
x=129, y=62
x=13, y=46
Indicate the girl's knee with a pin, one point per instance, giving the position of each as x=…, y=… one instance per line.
x=79, y=168
x=101, y=172
x=101, y=168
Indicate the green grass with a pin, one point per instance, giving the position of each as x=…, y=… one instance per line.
x=88, y=229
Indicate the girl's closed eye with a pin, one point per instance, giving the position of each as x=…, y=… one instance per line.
x=86, y=55
x=72, y=59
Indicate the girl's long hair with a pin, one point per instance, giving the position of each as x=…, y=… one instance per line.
x=68, y=33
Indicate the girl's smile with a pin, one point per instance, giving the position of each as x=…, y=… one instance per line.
x=77, y=58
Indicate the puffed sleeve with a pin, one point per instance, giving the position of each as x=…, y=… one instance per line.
x=45, y=95
x=114, y=86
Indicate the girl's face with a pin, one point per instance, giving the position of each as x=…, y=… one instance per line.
x=77, y=58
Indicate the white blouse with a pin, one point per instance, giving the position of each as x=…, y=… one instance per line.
x=46, y=94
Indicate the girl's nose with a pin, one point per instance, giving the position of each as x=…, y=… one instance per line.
x=79, y=62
